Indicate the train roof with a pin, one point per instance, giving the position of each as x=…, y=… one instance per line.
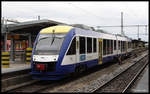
x=90, y=33
x=82, y=26
x=57, y=29
x=83, y=32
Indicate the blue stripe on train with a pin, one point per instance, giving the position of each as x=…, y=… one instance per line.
x=33, y=51
x=64, y=47
x=69, y=69
x=90, y=63
x=65, y=68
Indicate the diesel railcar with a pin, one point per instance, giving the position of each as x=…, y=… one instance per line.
x=61, y=50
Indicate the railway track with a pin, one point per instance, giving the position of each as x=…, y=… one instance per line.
x=14, y=74
x=16, y=79
x=122, y=81
x=32, y=88
x=40, y=86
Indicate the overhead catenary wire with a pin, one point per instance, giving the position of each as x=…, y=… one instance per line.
x=133, y=26
x=123, y=26
x=85, y=11
x=136, y=34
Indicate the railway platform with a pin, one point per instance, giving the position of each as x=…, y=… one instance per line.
x=15, y=66
x=16, y=75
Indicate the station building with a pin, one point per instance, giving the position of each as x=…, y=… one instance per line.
x=138, y=43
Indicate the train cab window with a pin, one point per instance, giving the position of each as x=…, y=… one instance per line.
x=89, y=45
x=94, y=45
x=72, y=49
x=104, y=46
x=82, y=45
x=114, y=44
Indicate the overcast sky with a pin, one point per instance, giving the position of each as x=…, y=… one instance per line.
x=88, y=13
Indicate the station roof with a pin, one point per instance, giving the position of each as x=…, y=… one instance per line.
x=29, y=26
x=137, y=41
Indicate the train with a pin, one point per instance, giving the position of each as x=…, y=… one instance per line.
x=63, y=49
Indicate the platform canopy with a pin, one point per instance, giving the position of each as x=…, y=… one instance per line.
x=29, y=26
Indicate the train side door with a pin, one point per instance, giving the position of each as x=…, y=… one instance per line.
x=100, y=51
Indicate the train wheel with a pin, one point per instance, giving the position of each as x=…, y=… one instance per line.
x=83, y=68
x=115, y=59
x=76, y=72
x=80, y=69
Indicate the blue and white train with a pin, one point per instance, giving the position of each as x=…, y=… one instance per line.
x=61, y=50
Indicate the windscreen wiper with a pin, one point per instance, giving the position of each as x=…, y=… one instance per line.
x=43, y=38
x=53, y=35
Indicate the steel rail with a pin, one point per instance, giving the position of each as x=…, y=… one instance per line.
x=119, y=75
x=135, y=77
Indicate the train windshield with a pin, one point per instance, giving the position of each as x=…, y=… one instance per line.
x=49, y=44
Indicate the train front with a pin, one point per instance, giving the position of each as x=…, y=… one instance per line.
x=46, y=52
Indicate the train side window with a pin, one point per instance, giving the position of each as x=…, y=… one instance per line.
x=104, y=47
x=72, y=49
x=129, y=44
x=82, y=45
x=111, y=48
x=124, y=44
x=89, y=45
x=94, y=45
x=119, y=45
x=108, y=46
x=114, y=44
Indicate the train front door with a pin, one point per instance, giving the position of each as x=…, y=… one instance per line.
x=100, y=51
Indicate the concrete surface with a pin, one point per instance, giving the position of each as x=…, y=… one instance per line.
x=143, y=83
x=16, y=66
